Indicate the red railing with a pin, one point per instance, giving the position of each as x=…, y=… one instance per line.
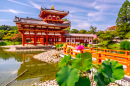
x=121, y=56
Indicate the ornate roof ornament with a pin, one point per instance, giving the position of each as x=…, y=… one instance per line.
x=52, y=7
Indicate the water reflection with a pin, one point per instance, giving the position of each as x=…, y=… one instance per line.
x=13, y=64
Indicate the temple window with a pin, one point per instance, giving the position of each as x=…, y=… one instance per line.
x=58, y=18
x=49, y=16
x=90, y=40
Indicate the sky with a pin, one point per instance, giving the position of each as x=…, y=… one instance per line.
x=82, y=13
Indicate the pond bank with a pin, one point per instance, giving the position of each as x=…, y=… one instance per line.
x=49, y=56
x=20, y=48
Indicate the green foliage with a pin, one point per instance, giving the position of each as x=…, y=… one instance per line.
x=82, y=82
x=83, y=61
x=127, y=35
x=2, y=43
x=125, y=45
x=1, y=35
x=75, y=72
x=93, y=30
x=82, y=31
x=74, y=31
x=83, y=44
x=100, y=79
x=64, y=61
x=82, y=64
x=67, y=76
x=114, y=45
x=59, y=46
x=122, y=21
x=106, y=36
x=9, y=43
x=111, y=71
x=104, y=43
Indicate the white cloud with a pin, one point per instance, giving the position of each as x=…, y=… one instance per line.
x=35, y=5
x=14, y=11
x=14, y=71
x=19, y=3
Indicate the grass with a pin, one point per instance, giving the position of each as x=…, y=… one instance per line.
x=9, y=43
x=114, y=45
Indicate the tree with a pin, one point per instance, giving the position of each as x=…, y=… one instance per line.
x=74, y=31
x=1, y=35
x=82, y=31
x=128, y=35
x=93, y=29
x=123, y=19
x=17, y=37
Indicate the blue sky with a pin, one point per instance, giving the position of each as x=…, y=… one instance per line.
x=82, y=13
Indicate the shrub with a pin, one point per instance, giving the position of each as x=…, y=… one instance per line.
x=125, y=45
x=104, y=43
x=2, y=43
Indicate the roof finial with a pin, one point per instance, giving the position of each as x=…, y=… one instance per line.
x=52, y=7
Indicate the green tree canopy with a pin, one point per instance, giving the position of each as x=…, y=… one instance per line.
x=74, y=31
x=123, y=19
x=93, y=29
x=82, y=31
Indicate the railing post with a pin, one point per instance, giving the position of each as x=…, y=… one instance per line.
x=81, y=51
x=64, y=49
x=99, y=59
x=91, y=50
x=126, y=53
x=128, y=66
x=104, y=52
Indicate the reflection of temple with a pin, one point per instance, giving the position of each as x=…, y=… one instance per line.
x=48, y=29
x=37, y=69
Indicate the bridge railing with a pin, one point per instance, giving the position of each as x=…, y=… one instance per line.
x=121, y=56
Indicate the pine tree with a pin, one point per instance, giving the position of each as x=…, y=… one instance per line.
x=123, y=19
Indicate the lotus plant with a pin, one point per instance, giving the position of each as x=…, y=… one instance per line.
x=80, y=47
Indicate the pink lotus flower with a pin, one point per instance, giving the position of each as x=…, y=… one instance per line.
x=95, y=36
x=80, y=47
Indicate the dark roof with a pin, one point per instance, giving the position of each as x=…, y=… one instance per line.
x=54, y=11
x=39, y=22
x=78, y=35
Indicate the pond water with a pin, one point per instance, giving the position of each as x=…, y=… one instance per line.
x=13, y=64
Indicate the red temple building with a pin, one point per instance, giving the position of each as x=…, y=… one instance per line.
x=48, y=29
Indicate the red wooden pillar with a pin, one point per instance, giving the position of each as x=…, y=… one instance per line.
x=47, y=37
x=35, y=39
x=88, y=39
x=61, y=37
x=23, y=39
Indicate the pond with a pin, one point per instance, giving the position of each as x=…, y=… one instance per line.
x=13, y=64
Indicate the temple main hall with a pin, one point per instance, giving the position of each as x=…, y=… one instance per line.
x=49, y=29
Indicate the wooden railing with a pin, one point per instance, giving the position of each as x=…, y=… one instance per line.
x=121, y=56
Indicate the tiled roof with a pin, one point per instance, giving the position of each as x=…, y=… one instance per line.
x=78, y=35
x=39, y=22
x=54, y=11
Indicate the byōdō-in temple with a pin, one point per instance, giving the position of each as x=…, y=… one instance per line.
x=48, y=29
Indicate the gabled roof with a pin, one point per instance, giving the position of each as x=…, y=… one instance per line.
x=45, y=11
x=78, y=35
x=39, y=22
x=53, y=11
